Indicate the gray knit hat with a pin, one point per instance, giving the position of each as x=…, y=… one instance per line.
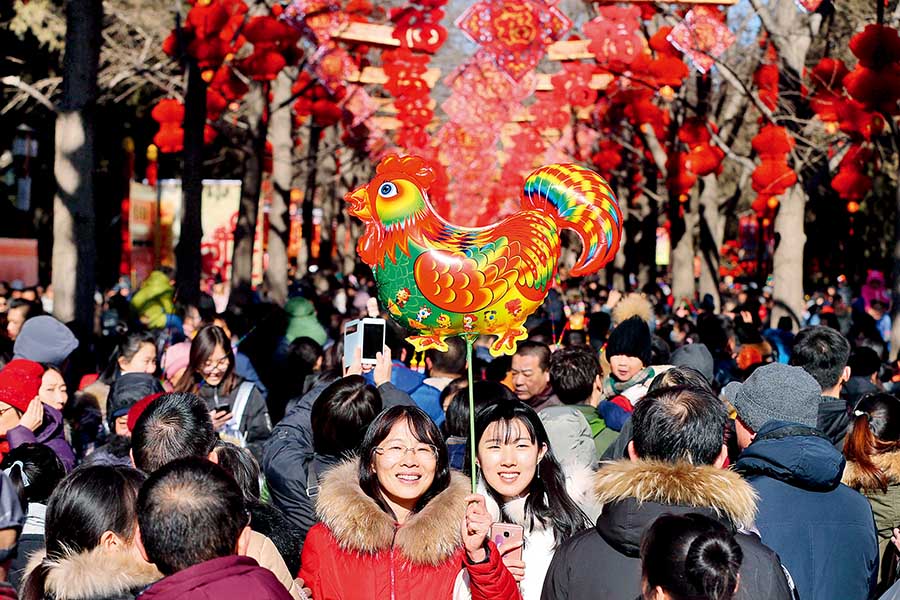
x=775, y=392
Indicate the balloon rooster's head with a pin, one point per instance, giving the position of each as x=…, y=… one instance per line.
x=397, y=195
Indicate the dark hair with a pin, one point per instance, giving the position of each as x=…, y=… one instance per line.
x=40, y=465
x=690, y=557
x=126, y=349
x=548, y=501
x=242, y=466
x=864, y=362
x=875, y=430
x=573, y=373
x=823, y=353
x=173, y=426
x=541, y=351
x=457, y=422
x=302, y=355
x=33, y=308
x=679, y=423
x=453, y=361
x=202, y=347
x=424, y=430
x=190, y=511
x=87, y=503
x=341, y=414
x=681, y=377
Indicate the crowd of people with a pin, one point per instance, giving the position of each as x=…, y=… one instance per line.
x=634, y=446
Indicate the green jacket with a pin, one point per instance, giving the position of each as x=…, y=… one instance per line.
x=603, y=435
x=885, y=505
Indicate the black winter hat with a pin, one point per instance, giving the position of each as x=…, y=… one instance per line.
x=631, y=337
x=128, y=390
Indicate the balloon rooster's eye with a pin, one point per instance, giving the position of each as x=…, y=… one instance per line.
x=387, y=190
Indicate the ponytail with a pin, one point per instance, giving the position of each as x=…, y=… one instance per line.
x=875, y=430
x=712, y=565
x=690, y=556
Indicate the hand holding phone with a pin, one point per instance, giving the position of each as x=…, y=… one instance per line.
x=508, y=537
x=365, y=334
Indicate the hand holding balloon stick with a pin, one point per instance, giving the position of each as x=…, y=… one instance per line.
x=440, y=279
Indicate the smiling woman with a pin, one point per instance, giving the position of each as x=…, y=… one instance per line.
x=396, y=523
x=526, y=486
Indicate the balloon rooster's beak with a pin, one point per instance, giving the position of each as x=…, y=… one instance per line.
x=359, y=203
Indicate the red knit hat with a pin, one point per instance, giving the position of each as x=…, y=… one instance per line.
x=135, y=412
x=20, y=382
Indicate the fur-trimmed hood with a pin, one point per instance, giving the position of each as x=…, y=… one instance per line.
x=98, y=573
x=428, y=537
x=889, y=463
x=679, y=484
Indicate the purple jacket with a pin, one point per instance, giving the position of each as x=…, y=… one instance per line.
x=50, y=433
x=227, y=578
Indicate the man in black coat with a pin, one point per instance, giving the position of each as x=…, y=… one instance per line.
x=675, y=467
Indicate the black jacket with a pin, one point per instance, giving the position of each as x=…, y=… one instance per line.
x=256, y=425
x=833, y=420
x=289, y=458
x=604, y=562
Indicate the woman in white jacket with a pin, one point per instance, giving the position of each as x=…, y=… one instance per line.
x=524, y=484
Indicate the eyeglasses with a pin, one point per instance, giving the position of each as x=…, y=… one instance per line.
x=395, y=453
x=3, y=411
x=215, y=364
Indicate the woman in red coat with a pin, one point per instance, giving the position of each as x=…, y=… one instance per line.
x=396, y=525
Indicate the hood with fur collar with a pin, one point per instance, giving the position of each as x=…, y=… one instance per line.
x=428, y=537
x=678, y=484
x=889, y=463
x=98, y=573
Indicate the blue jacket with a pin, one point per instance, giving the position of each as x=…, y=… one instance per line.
x=426, y=397
x=823, y=531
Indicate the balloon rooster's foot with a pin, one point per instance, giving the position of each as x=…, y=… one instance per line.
x=507, y=342
x=426, y=342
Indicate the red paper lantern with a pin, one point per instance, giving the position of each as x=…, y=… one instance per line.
x=773, y=177
x=772, y=141
x=615, y=34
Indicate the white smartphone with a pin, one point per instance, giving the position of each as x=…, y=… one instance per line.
x=366, y=333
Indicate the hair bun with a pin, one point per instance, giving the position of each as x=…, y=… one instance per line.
x=712, y=564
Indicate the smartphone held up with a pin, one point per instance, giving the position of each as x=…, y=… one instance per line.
x=366, y=334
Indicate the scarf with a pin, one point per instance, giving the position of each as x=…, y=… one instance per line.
x=614, y=387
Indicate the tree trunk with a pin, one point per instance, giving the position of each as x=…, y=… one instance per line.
x=74, y=246
x=242, y=261
x=187, y=253
x=280, y=135
x=712, y=228
x=309, y=193
x=790, y=239
x=682, y=259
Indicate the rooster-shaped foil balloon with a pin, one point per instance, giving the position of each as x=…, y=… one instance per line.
x=440, y=280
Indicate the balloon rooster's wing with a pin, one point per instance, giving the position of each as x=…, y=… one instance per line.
x=464, y=282
x=476, y=271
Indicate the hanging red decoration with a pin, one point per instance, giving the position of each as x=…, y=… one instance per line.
x=573, y=83
x=852, y=181
x=615, y=35
x=169, y=113
x=875, y=81
x=773, y=177
x=608, y=158
x=319, y=19
x=419, y=27
x=679, y=180
x=702, y=36
x=514, y=32
x=772, y=141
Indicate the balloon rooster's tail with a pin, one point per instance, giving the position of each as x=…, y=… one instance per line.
x=582, y=201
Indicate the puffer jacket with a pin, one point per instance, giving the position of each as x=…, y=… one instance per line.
x=97, y=574
x=50, y=433
x=358, y=552
x=604, y=562
x=823, y=531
